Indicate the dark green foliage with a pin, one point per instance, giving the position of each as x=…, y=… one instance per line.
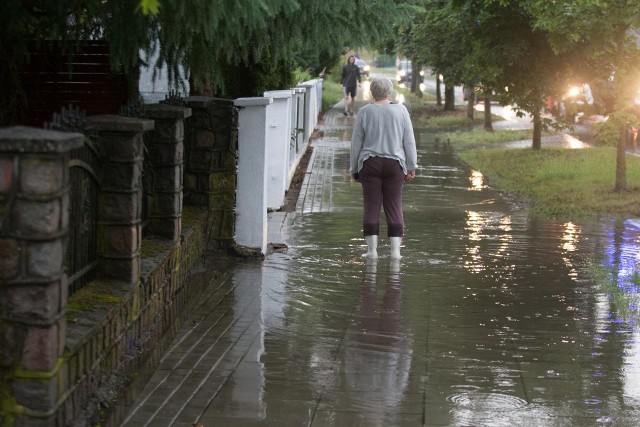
x=221, y=44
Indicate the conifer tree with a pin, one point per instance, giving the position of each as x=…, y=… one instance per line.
x=227, y=47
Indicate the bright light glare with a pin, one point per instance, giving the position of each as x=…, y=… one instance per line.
x=573, y=143
x=440, y=77
x=573, y=91
x=366, y=93
x=477, y=181
x=423, y=87
x=479, y=107
x=421, y=73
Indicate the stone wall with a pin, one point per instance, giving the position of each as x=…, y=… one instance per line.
x=114, y=327
x=63, y=357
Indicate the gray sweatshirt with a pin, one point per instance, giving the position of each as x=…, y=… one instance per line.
x=383, y=130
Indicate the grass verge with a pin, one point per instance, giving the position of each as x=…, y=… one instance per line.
x=479, y=138
x=426, y=114
x=560, y=182
x=331, y=93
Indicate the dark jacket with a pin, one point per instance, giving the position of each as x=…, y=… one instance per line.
x=350, y=75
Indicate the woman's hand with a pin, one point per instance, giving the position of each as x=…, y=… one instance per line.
x=409, y=176
x=356, y=176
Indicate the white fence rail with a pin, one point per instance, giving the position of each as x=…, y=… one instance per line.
x=273, y=135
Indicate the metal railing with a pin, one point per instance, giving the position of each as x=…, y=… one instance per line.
x=81, y=249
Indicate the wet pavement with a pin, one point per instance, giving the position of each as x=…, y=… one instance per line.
x=491, y=317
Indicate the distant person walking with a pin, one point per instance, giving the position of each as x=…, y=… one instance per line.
x=383, y=157
x=350, y=80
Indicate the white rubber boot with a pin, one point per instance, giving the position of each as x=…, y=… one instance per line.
x=395, y=247
x=372, y=246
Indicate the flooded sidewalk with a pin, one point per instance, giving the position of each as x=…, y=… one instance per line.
x=491, y=317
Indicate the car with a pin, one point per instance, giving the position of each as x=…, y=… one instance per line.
x=365, y=68
x=403, y=74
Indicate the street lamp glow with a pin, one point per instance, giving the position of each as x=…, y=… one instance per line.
x=573, y=91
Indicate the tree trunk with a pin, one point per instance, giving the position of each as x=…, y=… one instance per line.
x=621, y=165
x=201, y=88
x=438, y=92
x=537, y=130
x=488, y=120
x=415, y=77
x=470, y=95
x=449, y=102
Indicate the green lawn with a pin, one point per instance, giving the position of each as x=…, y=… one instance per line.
x=561, y=182
x=331, y=93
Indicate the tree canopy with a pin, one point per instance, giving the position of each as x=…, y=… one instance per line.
x=229, y=48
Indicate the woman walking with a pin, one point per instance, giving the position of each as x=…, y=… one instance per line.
x=383, y=157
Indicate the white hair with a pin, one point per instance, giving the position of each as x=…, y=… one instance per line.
x=381, y=88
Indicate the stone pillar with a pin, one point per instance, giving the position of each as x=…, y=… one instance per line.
x=166, y=152
x=34, y=221
x=251, y=206
x=120, y=202
x=211, y=163
x=278, y=138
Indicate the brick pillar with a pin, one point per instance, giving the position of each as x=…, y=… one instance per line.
x=211, y=163
x=34, y=220
x=166, y=152
x=119, y=211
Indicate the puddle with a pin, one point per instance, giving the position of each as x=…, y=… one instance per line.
x=486, y=301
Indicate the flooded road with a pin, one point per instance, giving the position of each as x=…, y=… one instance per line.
x=491, y=318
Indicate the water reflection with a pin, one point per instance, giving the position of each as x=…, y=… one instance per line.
x=488, y=238
x=377, y=357
x=570, y=240
x=477, y=181
x=622, y=262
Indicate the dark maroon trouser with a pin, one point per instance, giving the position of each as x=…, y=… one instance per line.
x=382, y=181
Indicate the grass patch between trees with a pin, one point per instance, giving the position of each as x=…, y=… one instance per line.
x=560, y=182
x=479, y=138
x=426, y=114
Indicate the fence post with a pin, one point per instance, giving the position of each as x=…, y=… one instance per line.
x=120, y=201
x=166, y=152
x=300, y=93
x=251, y=205
x=318, y=98
x=278, y=137
x=34, y=221
x=310, y=108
